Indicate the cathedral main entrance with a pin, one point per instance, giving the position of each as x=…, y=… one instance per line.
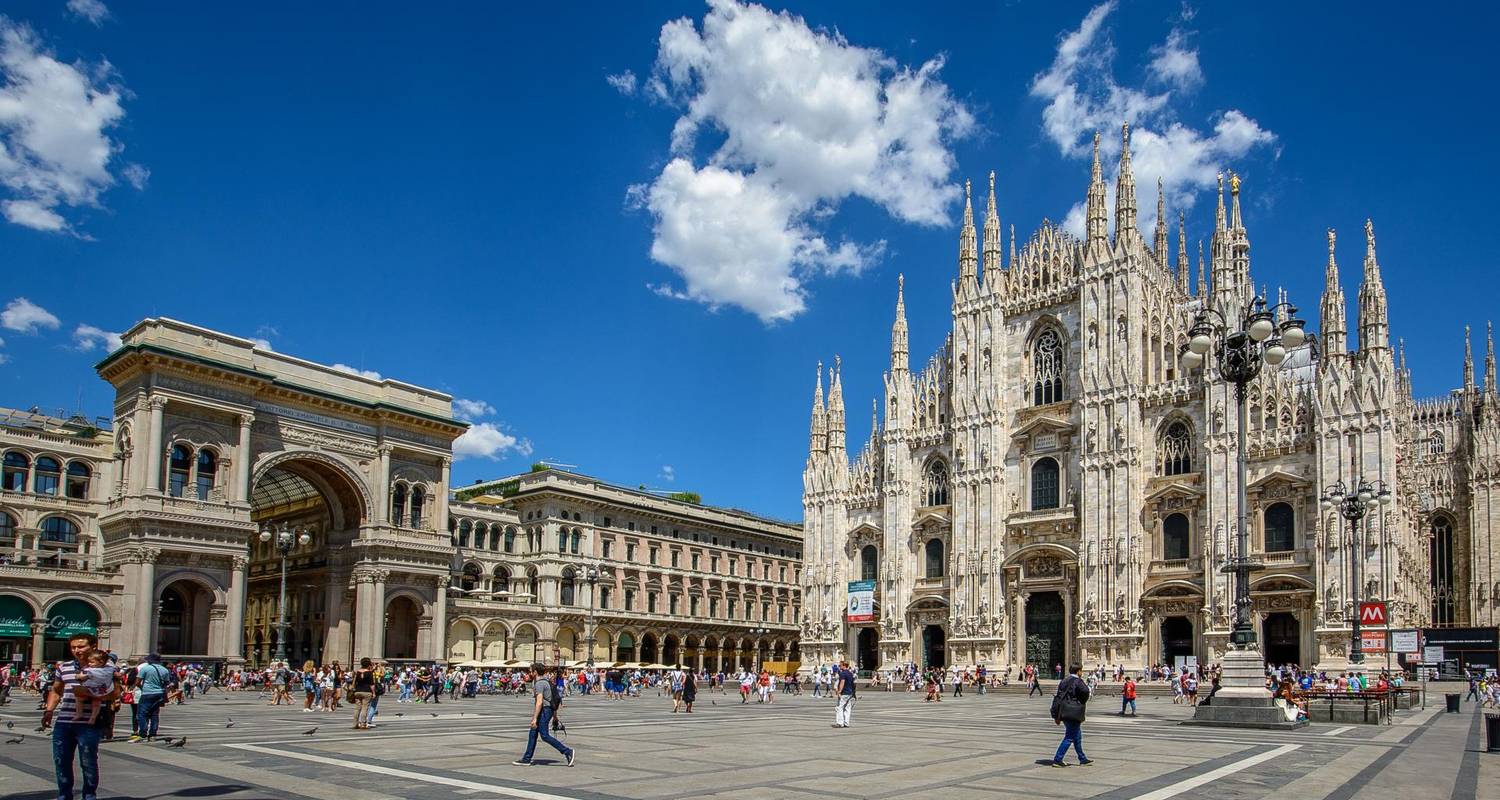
x=1176, y=639
x=934, y=646
x=1046, y=642
x=869, y=649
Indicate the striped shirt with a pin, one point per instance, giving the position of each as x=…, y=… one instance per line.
x=69, y=674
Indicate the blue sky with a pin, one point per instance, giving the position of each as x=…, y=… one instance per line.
x=496, y=205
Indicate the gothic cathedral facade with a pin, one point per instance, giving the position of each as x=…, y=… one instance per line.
x=1053, y=486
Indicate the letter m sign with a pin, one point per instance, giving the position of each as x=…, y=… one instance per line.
x=1372, y=613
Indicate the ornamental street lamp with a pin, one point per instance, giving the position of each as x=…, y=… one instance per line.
x=1240, y=351
x=593, y=574
x=284, y=539
x=1352, y=505
x=759, y=632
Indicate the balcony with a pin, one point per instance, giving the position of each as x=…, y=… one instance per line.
x=1174, y=566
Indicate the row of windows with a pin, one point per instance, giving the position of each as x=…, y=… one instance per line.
x=1280, y=533
x=407, y=506
x=50, y=477
x=630, y=525
x=185, y=468
x=568, y=592
x=55, y=530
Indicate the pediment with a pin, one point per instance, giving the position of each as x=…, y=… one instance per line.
x=1279, y=476
x=930, y=519
x=1175, y=488
x=1043, y=423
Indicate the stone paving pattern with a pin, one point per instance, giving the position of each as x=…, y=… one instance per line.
x=969, y=747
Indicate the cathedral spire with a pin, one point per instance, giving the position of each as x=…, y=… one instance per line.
x=1097, y=226
x=1239, y=241
x=1374, y=327
x=836, y=445
x=1489, y=358
x=1012, y=262
x=1182, y=260
x=1219, y=214
x=968, y=249
x=899, y=356
x=1125, y=208
x=991, y=237
x=874, y=422
x=819, y=441
x=1332, y=313
x=1160, y=245
x=1468, y=364
x=1202, y=281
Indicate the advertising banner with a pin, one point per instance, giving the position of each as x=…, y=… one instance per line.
x=861, y=601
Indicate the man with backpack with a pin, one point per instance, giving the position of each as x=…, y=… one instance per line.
x=152, y=681
x=1068, y=711
x=844, y=678
x=545, y=693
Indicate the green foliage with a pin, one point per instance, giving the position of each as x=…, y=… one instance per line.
x=687, y=497
x=539, y=467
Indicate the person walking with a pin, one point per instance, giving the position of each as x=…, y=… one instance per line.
x=363, y=687
x=152, y=681
x=1068, y=711
x=544, y=692
x=72, y=733
x=843, y=677
x=1034, y=678
x=689, y=690
x=1127, y=696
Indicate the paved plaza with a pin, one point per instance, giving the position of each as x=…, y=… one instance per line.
x=899, y=746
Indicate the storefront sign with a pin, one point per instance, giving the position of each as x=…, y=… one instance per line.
x=861, y=601
x=69, y=617
x=15, y=617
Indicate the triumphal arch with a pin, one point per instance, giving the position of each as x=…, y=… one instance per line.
x=218, y=440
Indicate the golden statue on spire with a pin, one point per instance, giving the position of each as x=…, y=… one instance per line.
x=1234, y=183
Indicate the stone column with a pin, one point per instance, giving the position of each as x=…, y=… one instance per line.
x=140, y=582
x=440, y=519
x=381, y=513
x=218, y=637
x=338, y=620
x=364, y=623
x=234, y=618
x=378, y=623
x=38, y=639
x=246, y=465
x=440, y=623
x=152, y=442
x=1020, y=647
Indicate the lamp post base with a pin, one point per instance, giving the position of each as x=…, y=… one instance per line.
x=1243, y=700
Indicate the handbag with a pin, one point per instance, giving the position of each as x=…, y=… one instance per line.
x=128, y=697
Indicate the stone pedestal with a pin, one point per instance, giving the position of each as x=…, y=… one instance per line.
x=1242, y=700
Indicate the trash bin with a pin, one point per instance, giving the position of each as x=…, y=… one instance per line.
x=1452, y=703
x=1492, y=732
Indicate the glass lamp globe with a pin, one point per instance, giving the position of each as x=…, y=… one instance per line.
x=1365, y=495
x=1200, y=343
x=1294, y=336
x=1262, y=328
x=1275, y=354
x=1191, y=359
x=1387, y=498
x=303, y=539
x=265, y=534
x=1327, y=502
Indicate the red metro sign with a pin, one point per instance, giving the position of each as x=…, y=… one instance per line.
x=1372, y=613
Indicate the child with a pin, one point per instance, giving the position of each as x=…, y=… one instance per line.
x=98, y=683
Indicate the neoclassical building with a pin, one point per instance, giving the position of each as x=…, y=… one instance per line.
x=145, y=529
x=679, y=582
x=1052, y=485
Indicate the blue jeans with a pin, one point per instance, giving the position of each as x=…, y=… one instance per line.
x=68, y=737
x=1127, y=703
x=148, y=713
x=542, y=729
x=1072, y=732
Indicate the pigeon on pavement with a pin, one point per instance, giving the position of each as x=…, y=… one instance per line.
x=9, y=724
x=310, y=731
x=179, y=743
x=230, y=723
x=16, y=740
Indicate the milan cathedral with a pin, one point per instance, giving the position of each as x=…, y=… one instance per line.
x=1053, y=486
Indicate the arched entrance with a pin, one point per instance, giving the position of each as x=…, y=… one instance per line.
x=934, y=646
x=669, y=651
x=625, y=648
x=16, y=615
x=869, y=649
x=648, y=649
x=1283, y=637
x=401, y=628
x=182, y=620
x=526, y=644
x=306, y=495
x=1046, y=639
x=1176, y=639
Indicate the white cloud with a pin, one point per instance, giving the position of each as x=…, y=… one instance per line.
x=668, y=474
x=23, y=316
x=1083, y=97
x=807, y=120
x=55, y=146
x=263, y=344
x=87, y=337
x=486, y=440
x=470, y=410
x=364, y=373
x=136, y=175
x=625, y=83
x=92, y=10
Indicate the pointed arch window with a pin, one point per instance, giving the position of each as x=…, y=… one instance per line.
x=1436, y=444
x=1048, y=362
x=1045, y=488
x=1445, y=598
x=1175, y=445
x=936, y=483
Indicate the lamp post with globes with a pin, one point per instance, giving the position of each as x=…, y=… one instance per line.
x=1353, y=504
x=1240, y=348
x=284, y=538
